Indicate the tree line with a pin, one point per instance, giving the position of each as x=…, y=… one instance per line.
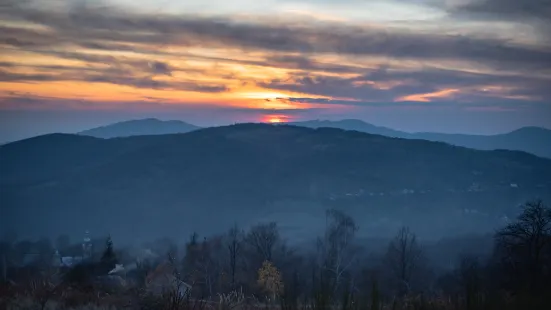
x=338, y=270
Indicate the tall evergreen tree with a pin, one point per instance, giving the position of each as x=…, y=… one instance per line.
x=109, y=258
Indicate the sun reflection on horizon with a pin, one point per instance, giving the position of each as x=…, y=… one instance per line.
x=275, y=119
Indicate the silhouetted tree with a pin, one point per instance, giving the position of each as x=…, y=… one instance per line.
x=262, y=239
x=5, y=249
x=190, y=259
x=523, y=248
x=209, y=264
x=108, y=258
x=469, y=276
x=336, y=250
x=403, y=257
x=234, y=245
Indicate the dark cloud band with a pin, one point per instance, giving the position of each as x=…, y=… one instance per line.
x=99, y=28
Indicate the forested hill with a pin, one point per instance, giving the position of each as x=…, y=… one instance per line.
x=534, y=140
x=176, y=183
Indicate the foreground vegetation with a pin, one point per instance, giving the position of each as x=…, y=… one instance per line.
x=258, y=270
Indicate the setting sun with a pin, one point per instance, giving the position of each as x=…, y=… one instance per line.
x=275, y=119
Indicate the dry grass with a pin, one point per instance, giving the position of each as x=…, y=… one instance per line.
x=69, y=299
x=24, y=302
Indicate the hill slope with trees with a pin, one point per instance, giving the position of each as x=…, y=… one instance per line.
x=174, y=184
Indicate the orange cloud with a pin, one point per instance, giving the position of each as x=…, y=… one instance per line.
x=445, y=93
x=254, y=63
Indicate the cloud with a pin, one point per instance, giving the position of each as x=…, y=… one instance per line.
x=158, y=67
x=437, y=103
x=302, y=62
x=526, y=9
x=88, y=27
x=387, y=84
x=20, y=101
x=111, y=77
x=356, y=65
x=536, y=13
x=16, y=77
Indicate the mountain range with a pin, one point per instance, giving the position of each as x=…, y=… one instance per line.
x=534, y=140
x=148, y=126
x=207, y=179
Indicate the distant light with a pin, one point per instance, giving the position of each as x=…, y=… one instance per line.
x=275, y=118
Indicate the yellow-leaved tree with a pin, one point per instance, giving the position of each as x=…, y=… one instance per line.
x=269, y=279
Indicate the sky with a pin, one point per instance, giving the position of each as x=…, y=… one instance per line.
x=470, y=66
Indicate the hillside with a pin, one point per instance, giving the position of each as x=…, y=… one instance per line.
x=149, y=126
x=534, y=140
x=353, y=124
x=207, y=179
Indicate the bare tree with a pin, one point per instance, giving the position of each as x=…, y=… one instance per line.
x=262, y=239
x=206, y=266
x=43, y=290
x=5, y=251
x=4, y=263
x=403, y=257
x=469, y=276
x=234, y=245
x=202, y=263
x=524, y=246
x=337, y=252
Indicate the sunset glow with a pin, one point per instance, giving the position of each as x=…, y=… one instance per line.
x=239, y=62
x=446, y=93
x=275, y=119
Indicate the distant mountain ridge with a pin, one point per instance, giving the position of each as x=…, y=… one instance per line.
x=352, y=124
x=534, y=140
x=141, y=127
